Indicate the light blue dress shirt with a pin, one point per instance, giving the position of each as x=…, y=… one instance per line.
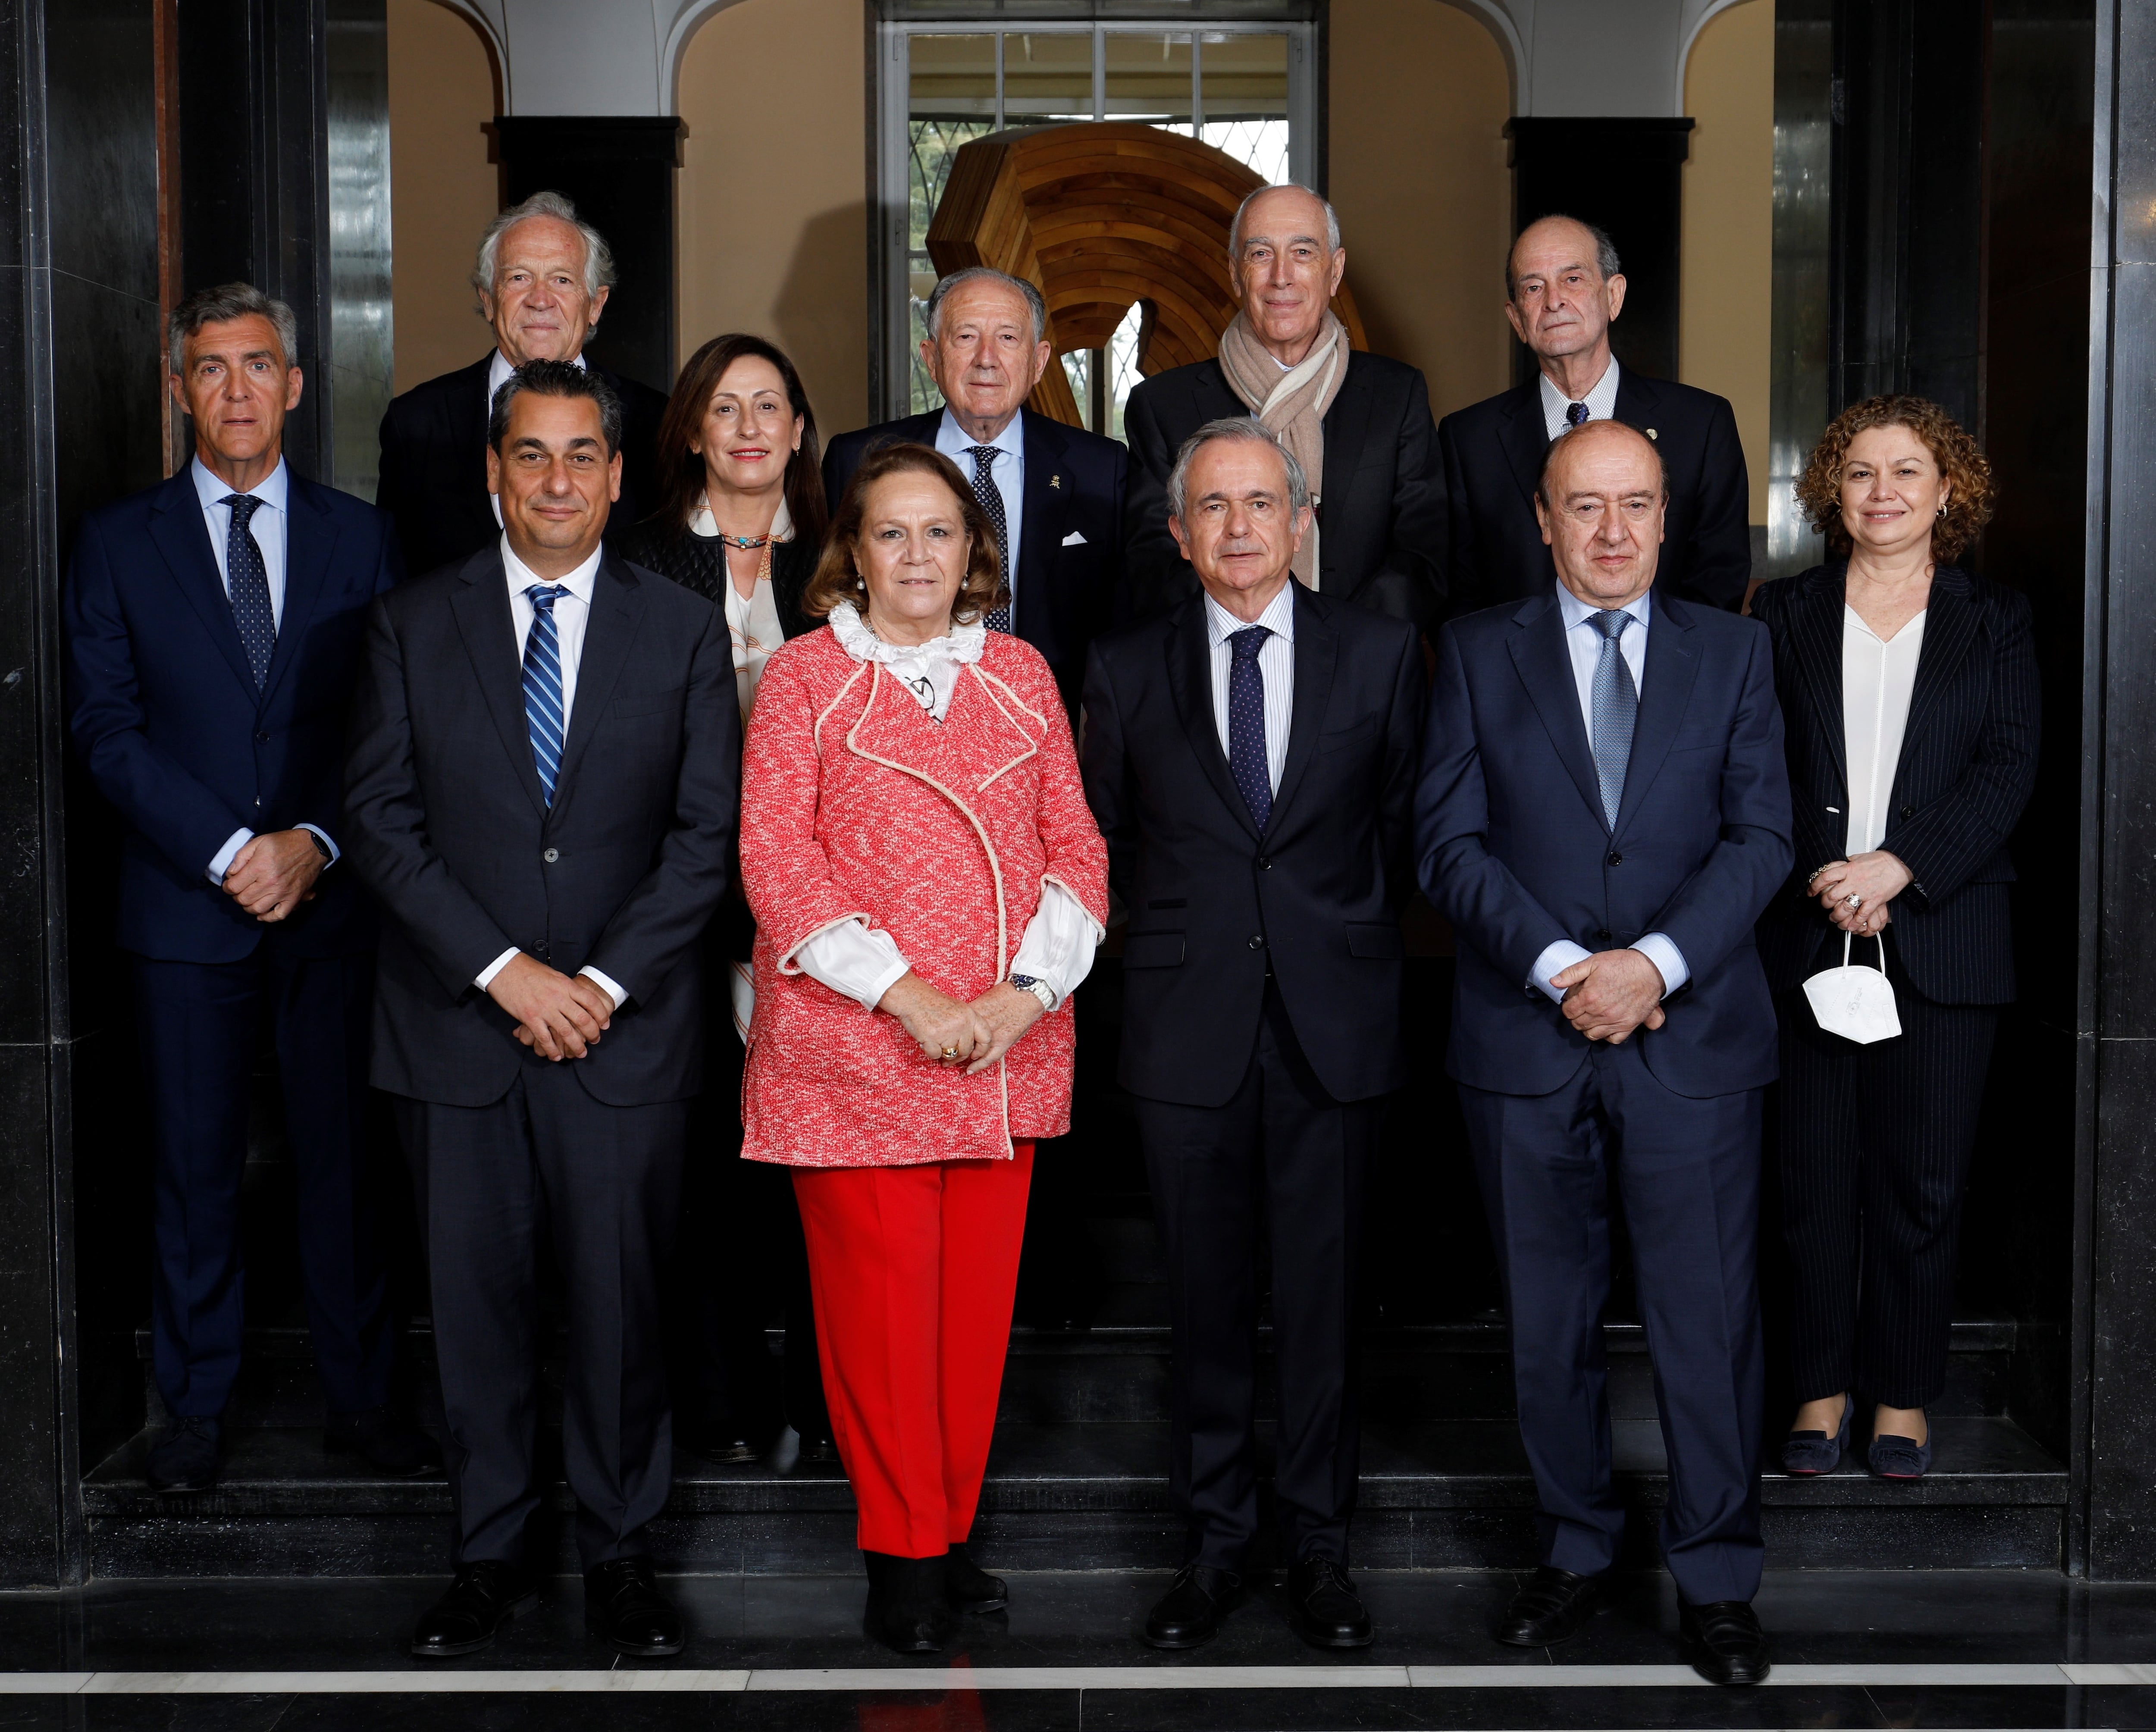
x=955, y=442
x=1583, y=643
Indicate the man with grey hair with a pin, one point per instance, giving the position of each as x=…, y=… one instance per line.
x=1358, y=424
x=541, y=277
x=1053, y=493
x=1250, y=756
x=214, y=625
x=1562, y=291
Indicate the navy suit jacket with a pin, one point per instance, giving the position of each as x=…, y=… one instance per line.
x=1074, y=482
x=1514, y=850
x=164, y=709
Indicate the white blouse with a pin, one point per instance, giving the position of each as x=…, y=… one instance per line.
x=751, y=619
x=1877, y=676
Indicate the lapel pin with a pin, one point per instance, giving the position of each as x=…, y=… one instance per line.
x=1055, y=481
x=1652, y=434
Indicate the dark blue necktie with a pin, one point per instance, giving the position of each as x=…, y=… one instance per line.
x=1574, y=413
x=1246, y=724
x=991, y=497
x=1616, y=705
x=247, y=583
x=542, y=685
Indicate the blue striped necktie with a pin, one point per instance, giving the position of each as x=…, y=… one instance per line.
x=542, y=685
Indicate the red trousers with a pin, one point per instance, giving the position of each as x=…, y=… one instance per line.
x=914, y=1269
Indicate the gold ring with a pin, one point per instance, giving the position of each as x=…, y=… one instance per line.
x=950, y=1052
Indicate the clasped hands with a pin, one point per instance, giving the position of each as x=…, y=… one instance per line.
x=559, y=1016
x=949, y=1032
x=1610, y=993
x=1874, y=879
x=271, y=875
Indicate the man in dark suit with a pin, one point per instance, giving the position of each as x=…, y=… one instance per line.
x=214, y=626
x=1053, y=493
x=1604, y=813
x=1562, y=288
x=543, y=786
x=1251, y=757
x=543, y=280
x=1359, y=423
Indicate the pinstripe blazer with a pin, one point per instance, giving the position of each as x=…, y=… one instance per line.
x=1967, y=763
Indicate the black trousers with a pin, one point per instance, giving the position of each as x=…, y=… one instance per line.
x=1876, y=1145
x=604, y=1182
x=1282, y=1154
x=199, y=1024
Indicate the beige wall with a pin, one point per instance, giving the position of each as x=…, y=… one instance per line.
x=1419, y=101
x=442, y=190
x=772, y=196
x=1723, y=344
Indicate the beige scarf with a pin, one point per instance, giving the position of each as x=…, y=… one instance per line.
x=1292, y=404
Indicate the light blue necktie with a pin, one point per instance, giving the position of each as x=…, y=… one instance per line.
x=1616, y=707
x=542, y=683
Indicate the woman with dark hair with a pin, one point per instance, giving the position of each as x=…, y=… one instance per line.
x=929, y=886
x=1908, y=691
x=740, y=520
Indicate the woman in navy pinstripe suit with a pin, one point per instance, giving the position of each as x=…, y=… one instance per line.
x=1909, y=689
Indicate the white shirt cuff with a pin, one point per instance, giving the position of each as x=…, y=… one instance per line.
x=1658, y=950
x=485, y=977
x=850, y=959
x=329, y=842
x=1558, y=957
x=613, y=990
x=1058, y=945
x=221, y=861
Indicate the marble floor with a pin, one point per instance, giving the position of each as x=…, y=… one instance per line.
x=1917, y=1649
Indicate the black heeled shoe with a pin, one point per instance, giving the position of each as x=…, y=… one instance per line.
x=909, y=1610
x=971, y=1588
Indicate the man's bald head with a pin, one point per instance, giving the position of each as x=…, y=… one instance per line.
x=1602, y=502
x=1557, y=242
x=1594, y=434
x=1563, y=290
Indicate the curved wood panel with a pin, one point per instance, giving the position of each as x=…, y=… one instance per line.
x=1100, y=217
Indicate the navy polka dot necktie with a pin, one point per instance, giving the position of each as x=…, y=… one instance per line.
x=1574, y=413
x=1616, y=706
x=247, y=583
x=1246, y=724
x=991, y=497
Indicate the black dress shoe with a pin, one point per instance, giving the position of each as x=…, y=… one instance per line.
x=391, y=1442
x=818, y=1448
x=1324, y=1607
x=482, y=1598
x=188, y=1456
x=623, y=1607
x=970, y=1587
x=1189, y=1613
x=722, y=1445
x=1549, y=1609
x=1728, y=1647
x=909, y=1609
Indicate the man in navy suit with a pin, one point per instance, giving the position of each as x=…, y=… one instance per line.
x=214, y=624
x=1604, y=813
x=1053, y=493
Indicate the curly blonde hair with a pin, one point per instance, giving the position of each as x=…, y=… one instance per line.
x=836, y=578
x=1970, y=492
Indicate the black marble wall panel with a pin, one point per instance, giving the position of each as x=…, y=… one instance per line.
x=356, y=143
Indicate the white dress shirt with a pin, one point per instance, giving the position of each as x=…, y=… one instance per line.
x=268, y=526
x=1878, y=675
x=1276, y=668
x=1583, y=642
x=572, y=612
x=1601, y=404
x=497, y=376
x=955, y=442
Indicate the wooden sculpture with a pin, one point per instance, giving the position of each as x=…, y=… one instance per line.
x=1101, y=216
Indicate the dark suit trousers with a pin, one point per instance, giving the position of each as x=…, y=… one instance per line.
x=200, y=1023
x=1688, y=1172
x=1875, y=1145
x=604, y=1182
x=1284, y=1153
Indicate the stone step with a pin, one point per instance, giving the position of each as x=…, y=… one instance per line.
x=1450, y=1494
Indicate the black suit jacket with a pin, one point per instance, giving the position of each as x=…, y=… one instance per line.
x=1213, y=904
x=1968, y=766
x=1074, y=482
x=434, y=465
x=1382, y=516
x=1493, y=455
x=450, y=830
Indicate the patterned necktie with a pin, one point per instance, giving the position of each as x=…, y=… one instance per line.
x=1574, y=413
x=991, y=497
x=1246, y=724
x=247, y=583
x=1616, y=707
x=542, y=683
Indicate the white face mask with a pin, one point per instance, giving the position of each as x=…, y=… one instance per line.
x=1856, y=1003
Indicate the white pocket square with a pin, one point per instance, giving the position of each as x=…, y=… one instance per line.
x=1074, y=539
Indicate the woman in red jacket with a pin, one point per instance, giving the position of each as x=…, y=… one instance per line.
x=928, y=887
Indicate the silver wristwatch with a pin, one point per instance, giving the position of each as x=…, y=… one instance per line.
x=1039, y=989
